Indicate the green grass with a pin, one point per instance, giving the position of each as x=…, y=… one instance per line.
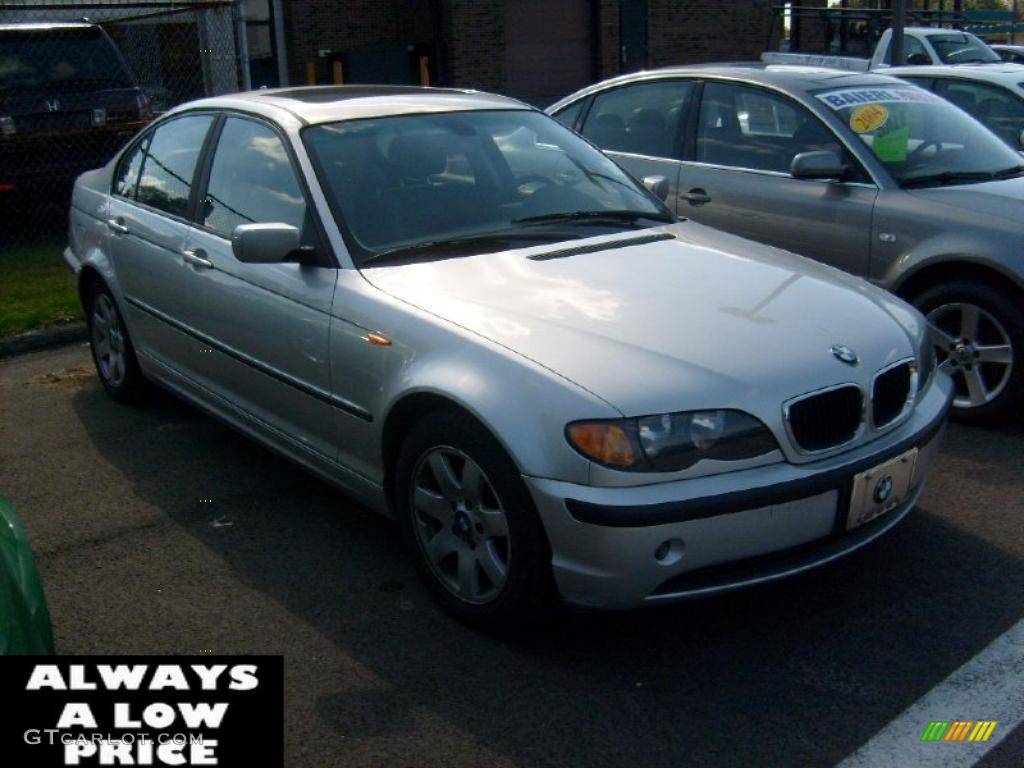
x=36, y=289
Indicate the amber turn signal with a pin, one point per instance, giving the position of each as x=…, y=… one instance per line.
x=605, y=442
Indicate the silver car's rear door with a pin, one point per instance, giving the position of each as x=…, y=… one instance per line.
x=739, y=181
x=262, y=329
x=148, y=230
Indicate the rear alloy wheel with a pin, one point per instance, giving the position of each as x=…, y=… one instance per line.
x=466, y=514
x=112, y=349
x=978, y=334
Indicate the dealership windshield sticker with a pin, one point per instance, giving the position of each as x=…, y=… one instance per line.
x=143, y=710
x=868, y=118
x=851, y=97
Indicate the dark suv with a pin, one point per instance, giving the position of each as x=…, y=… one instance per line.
x=67, y=103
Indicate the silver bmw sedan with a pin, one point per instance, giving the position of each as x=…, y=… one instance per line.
x=461, y=313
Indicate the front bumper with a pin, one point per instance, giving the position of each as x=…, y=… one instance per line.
x=727, y=531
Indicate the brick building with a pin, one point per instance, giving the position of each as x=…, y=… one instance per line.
x=537, y=50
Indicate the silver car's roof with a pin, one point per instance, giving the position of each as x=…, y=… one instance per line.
x=788, y=77
x=327, y=103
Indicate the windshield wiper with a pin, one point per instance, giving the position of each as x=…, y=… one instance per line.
x=947, y=177
x=404, y=251
x=595, y=216
x=1006, y=173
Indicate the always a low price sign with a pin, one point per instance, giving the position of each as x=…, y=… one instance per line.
x=142, y=710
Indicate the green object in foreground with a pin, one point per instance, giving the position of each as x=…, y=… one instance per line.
x=35, y=289
x=24, y=617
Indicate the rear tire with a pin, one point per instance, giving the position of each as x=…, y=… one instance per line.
x=469, y=520
x=112, y=349
x=979, y=340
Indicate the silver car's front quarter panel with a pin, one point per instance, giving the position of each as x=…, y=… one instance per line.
x=524, y=405
x=771, y=521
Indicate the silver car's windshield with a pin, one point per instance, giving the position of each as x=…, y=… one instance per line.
x=920, y=137
x=961, y=48
x=482, y=179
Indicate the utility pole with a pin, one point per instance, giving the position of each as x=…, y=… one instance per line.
x=899, y=12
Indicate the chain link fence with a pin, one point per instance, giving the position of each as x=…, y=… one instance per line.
x=78, y=79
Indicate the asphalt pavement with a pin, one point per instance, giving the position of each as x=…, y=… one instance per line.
x=159, y=530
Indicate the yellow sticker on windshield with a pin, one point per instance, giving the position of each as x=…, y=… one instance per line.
x=868, y=118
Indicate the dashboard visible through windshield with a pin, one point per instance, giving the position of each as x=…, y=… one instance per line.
x=919, y=137
x=481, y=179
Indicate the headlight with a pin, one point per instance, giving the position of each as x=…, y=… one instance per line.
x=670, y=442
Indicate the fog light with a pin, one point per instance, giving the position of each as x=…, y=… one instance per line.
x=99, y=116
x=6, y=125
x=669, y=552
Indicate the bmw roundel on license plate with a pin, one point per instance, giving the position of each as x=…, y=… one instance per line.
x=880, y=489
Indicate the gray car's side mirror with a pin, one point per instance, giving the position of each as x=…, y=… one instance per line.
x=821, y=164
x=657, y=186
x=1020, y=139
x=264, y=243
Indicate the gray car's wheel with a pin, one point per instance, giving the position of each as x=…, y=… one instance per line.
x=978, y=333
x=112, y=349
x=465, y=513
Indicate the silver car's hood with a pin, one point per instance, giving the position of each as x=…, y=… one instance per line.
x=706, y=320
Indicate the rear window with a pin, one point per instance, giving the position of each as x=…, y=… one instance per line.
x=67, y=59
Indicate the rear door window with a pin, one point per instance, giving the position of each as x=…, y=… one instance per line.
x=169, y=162
x=641, y=119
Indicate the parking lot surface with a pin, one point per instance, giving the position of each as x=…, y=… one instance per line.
x=159, y=530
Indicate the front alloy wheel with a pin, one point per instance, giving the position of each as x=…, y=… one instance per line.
x=460, y=525
x=471, y=524
x=975, y=349
x=978, y=333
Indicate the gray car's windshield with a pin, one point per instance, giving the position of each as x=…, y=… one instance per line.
x=454, y=181
x=919, y=137
x=961, y=48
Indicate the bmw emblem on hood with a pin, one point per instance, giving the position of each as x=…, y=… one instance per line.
x=845, y=354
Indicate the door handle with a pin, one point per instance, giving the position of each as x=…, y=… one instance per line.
x=197, y=258
x=696, y=196
x=116, y=226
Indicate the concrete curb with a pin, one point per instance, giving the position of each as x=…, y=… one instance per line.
x=43, y=338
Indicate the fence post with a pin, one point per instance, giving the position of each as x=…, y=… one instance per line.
x=243, y=45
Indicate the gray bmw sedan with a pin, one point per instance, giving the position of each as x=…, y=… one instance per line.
x=463, y=314
x=860, y=171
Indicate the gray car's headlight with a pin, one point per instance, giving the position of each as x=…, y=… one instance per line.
x=671, y=441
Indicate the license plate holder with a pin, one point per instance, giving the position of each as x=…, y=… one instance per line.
x=880, y=489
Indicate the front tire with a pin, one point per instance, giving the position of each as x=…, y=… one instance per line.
x=112, y=349
x=466, y=515
x=978, y=333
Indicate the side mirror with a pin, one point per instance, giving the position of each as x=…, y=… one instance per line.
x=1020, y=139
x=264, y=243
x=817, y=165
x=918, y=59
x=657, y=186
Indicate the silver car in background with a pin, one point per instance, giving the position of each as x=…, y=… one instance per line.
x=860, y=171
x=466, y=316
